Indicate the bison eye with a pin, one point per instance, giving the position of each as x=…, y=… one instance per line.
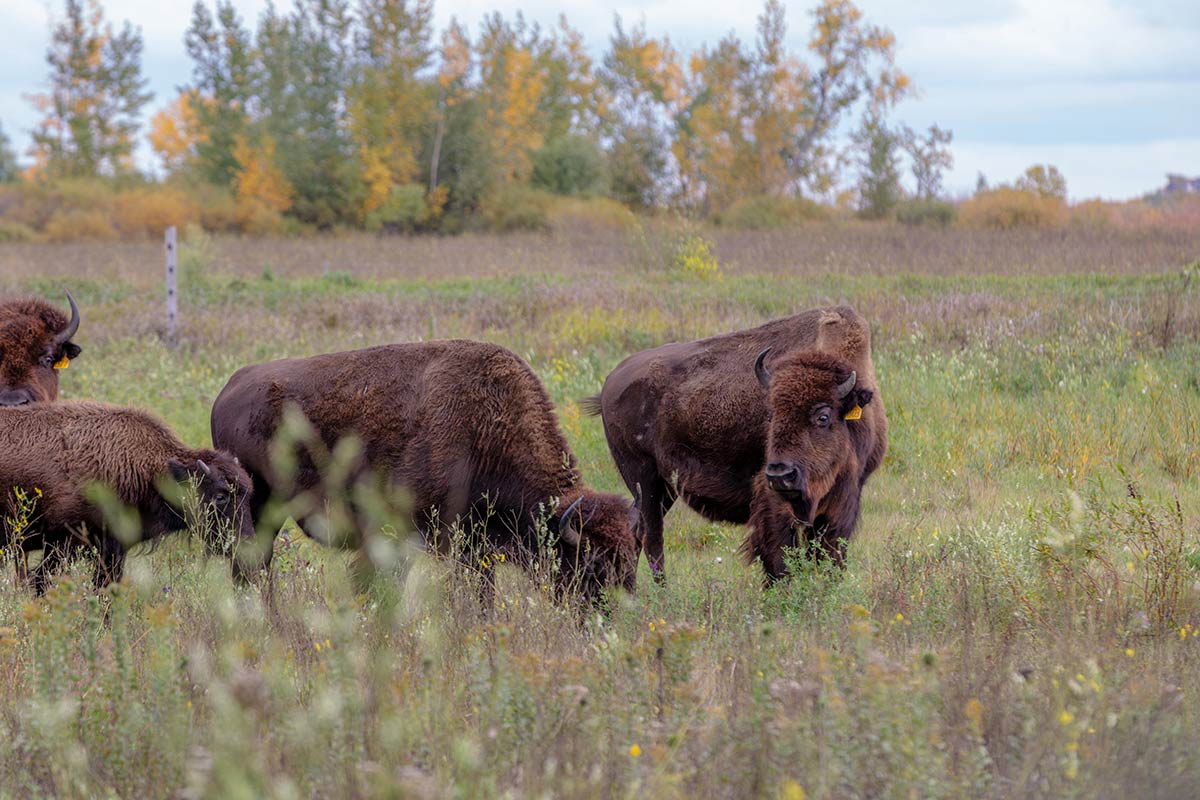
x=221, y=498
x=823, y=419
x=47, y=361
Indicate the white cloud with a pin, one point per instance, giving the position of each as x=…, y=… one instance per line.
x=1107, y=89
x=1061, y=39
x=1108, y=171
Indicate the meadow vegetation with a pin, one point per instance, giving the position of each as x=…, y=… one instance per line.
x=1019, y=615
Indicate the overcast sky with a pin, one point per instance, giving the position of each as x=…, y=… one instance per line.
x=1107, y=90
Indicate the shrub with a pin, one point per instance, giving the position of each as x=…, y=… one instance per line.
x=763, y=212
x=1007, y=208
x=692, y=257
x=404, y=211
x=589, y=215
x=570, y=165
x=1093, y=214
x=16, y=232
x=926, y=212
x=256, y=219
x=67, y=226
x=147, y=211
x=518, y=208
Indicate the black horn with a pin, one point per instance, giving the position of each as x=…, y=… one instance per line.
x=845, y=388
x=760, y=369
x=566, y=531
x=63, y=336
x=205, y=468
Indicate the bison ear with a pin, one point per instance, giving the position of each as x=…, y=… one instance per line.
x=72, y=350
x=857, y=399
x=178, y=469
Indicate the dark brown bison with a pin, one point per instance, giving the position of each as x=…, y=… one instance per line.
x=692, y=420
x=465, y=428
x=56, y=454
x=822, y=435
x=35, y=342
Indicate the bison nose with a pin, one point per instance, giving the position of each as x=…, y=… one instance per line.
x=14, y=398
x=783, y=477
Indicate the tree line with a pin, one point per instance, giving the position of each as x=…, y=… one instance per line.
x=341, y=113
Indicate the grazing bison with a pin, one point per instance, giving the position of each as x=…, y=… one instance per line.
x=691, y=419
x=35, y=342
x=466, y=428
x=55, y=453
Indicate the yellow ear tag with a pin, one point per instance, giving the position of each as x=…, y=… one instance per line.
x=854, y=413
x=62, y=363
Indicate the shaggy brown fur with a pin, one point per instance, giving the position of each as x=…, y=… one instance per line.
x=690, y=419
x=29, y=349
x=466, y=428
x=817, y=460
x=63, y=448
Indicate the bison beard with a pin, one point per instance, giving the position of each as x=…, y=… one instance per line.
x=35, y=342
x=65, y=449
x=465, y=428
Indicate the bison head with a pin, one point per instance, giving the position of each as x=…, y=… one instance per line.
x=221, y=504
x=596, y=545
x=35, y=342
x=814, y=400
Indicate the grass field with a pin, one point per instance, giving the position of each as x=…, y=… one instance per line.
x=1020, y=614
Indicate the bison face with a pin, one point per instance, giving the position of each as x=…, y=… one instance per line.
x=814, y=400
x=596, y=546
x=35, y=342
x=221, y=503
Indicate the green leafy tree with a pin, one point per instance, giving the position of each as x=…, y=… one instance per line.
x=316, y=150
x=570, y=165
x=570, y=101
x=223, y=65
x=931, y=157
x=90, y=115
x=640, y=80
x=879, y=188
x=10, y=170
x=763, y=121
x=391, y=101
x=1044, y=180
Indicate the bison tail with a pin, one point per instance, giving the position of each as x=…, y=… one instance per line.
x=591, y=405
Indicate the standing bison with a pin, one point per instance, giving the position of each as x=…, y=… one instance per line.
x=466, y=428
x=58, y=454
x=694, y=420
x=35, y=342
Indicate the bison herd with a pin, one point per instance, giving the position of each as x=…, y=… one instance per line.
x=778, y=426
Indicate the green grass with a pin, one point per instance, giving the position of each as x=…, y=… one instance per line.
x=1018, y=616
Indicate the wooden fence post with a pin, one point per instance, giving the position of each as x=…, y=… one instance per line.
x=172, y=288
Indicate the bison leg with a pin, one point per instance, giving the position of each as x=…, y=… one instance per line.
x=53, y=555
x=110, y=562
x=656, y=500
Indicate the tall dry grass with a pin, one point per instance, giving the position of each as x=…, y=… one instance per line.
x=1019, y=616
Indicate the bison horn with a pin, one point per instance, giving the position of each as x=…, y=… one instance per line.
x=760, y=369
x=566, y=530
x=845, y=388
x=63, y=336
x=205, y=468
